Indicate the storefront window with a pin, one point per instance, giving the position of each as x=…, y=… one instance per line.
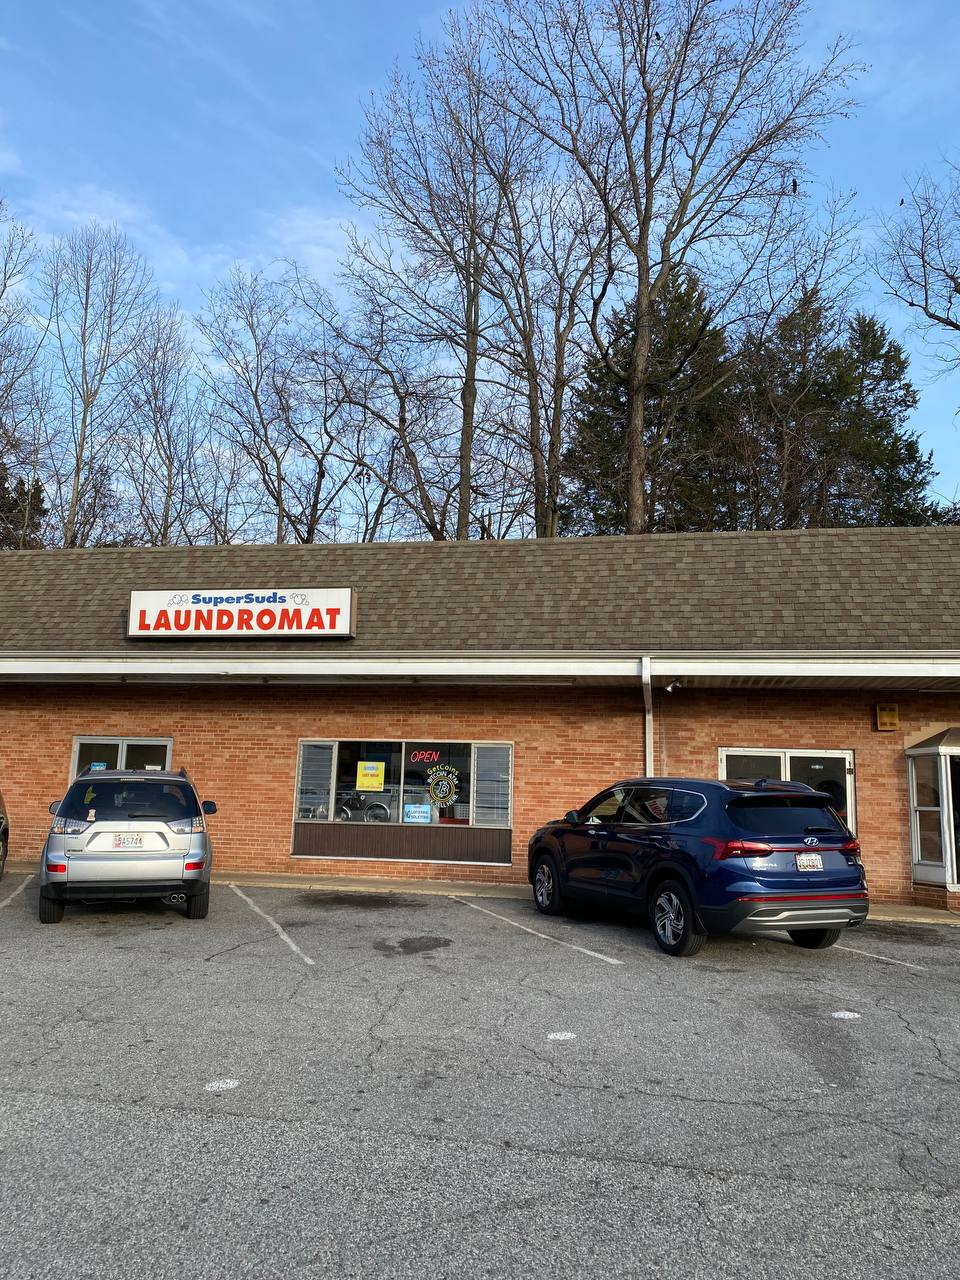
x=121, y=753
x=926, y=793
x=828, y=771
x=417, y=783
x=436, y=782
x=368, y=782
x=313, y=784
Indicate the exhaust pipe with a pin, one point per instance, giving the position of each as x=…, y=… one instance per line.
x=177, y=897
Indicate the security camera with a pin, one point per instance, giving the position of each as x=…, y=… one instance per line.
x=674, y=685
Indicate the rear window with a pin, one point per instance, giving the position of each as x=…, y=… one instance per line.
x=110, y=800
x=784, y=816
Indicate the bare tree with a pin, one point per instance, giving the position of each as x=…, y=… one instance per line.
x=100, y=294
x=688, y=120
x=262, y=384
x=19, y=338
x=160, y=430
x=422, y=175
x=919, y=259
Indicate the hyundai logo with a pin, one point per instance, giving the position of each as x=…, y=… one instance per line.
x=810, y=840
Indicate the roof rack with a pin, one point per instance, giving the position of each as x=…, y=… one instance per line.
x=764, y=784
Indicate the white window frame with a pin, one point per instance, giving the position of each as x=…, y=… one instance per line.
x=473, y=744
x=785, y=753
x=946, y=871
x=121, y=744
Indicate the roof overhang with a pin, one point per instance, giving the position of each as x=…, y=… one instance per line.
x=916, y=672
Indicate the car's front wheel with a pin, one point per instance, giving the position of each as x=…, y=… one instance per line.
x=814, y=939
x=672, y=920
x=547, y=893
x=51, y=911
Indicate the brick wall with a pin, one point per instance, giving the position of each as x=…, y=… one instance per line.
x=240, y=746
x=690, y=726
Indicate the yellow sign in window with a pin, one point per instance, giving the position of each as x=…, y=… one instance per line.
x=370, y=775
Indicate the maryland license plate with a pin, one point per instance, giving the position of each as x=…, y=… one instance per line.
x=809, y=862
x=131, y=842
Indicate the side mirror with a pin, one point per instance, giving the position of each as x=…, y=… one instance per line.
x=573, y=817
x=53, y=807
x=209, y=806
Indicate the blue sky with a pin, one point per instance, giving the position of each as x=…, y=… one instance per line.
x=209, y=130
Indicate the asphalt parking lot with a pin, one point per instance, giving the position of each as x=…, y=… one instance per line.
x=366, y=1084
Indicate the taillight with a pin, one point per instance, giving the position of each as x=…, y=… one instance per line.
x=68, y=826
x=739, y=849
x=193, y=866
x=58, y=868
x=852, y=850
x=187, y=826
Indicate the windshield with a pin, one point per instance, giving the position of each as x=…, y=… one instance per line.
x=122, y=799
x=785, y=816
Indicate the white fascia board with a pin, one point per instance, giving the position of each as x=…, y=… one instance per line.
x=923, y=667
x=226, y=668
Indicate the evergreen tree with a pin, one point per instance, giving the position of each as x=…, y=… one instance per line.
x=22, y=509
x=801, y=426
x=690, y=369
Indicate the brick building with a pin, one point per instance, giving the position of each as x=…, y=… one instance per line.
x=419, y=709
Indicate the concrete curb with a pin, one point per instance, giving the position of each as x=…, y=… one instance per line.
x=881, y=912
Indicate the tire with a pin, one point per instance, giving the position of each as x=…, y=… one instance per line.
x=814, y=939
x=50, y=910
x=376, y=813
x=672, y=920
x=547, y=893
x=198, y=904
x=3, y=854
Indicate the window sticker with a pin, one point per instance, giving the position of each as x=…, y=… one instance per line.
x=418, y=813
x=443, y=784
x=370, y=775
x=91, y=815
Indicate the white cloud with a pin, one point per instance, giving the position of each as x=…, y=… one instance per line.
x=181, y=271
x=313, y=237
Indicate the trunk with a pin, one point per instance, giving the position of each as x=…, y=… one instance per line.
x=73, y=511
x=468, y=401
x=540, y=504
x=636, y=421
x=554, y=459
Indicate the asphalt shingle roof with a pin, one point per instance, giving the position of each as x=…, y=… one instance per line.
x=816, y=590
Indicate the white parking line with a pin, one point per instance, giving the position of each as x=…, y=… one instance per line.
x=596, y=955
x=19, y=889
x=886, y=959
x=280, y=931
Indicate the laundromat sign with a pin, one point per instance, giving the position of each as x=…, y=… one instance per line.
x=251, y=614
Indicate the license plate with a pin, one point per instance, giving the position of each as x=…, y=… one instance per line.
x=128, y=842
x=809, y=862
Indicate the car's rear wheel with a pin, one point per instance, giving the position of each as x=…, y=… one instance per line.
x=198, y=904
x=547, y=893
x=672, y=920
x=815, y=939
x=51, y=911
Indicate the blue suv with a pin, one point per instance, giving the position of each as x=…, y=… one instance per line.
x=700, y=857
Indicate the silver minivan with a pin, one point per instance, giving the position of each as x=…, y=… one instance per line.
x=127, y=834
